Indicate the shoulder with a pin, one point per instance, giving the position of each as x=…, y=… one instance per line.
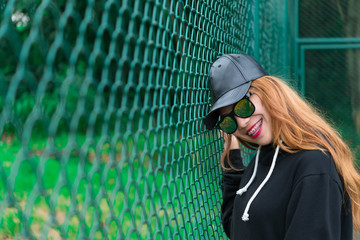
x=314, y=162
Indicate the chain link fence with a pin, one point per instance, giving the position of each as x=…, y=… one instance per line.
x=101, y=117
x=330, y=51
x=101, y=102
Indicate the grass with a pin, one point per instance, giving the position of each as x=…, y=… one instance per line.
x=106, y=191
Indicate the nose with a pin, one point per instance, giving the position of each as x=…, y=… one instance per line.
x=242, y=122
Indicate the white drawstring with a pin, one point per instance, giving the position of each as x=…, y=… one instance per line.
x=245, y=188
x=245, y=216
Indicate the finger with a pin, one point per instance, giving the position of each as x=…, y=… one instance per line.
x=221, y=134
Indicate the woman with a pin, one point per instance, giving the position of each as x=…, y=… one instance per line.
x=302, y=183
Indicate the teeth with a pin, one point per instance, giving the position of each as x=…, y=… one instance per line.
x=255, y=128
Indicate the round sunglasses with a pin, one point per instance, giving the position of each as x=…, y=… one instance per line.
x=243, y=109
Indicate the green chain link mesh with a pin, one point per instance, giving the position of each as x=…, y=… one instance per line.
x=101, y=117
x=342, y=87
x=332, y=69
x=101, y=102
x=272, y=36
x=333, y=16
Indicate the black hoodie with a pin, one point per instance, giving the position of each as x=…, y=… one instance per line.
x=304, y=198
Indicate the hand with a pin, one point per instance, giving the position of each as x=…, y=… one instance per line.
x=229, y=140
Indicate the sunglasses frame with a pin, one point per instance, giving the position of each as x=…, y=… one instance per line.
x=232, y=113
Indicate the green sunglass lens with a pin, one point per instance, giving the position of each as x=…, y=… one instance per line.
x=244, y=108
x=228, y=125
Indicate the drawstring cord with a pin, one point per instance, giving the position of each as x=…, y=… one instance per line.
x=245, y=188
x=245, y=216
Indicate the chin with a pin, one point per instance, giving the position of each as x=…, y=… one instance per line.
x=265, y=141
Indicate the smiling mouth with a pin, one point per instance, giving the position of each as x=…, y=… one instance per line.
x=255, y=130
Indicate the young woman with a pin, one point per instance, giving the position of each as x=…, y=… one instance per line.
x=302, y=183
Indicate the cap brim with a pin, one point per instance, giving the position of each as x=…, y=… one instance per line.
x=231, y=97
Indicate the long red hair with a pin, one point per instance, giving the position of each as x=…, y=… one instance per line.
x=301, y=126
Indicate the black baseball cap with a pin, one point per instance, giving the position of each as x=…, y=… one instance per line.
x=230, y=78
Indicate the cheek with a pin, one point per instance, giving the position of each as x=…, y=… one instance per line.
x=268, y=128
x=261, y=110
